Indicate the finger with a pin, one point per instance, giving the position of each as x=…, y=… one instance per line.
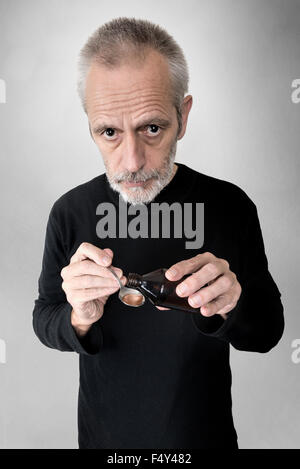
x=89, y=294
x=161, y=307
x=89, y=251
x=206, y=274
x=206, y=294
x=188, y=266
x=88, y=267
x=222, y=304
x=109, y=252
x=223, y=312
x=89, y=281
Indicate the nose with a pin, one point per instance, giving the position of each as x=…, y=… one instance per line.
x=133, y=157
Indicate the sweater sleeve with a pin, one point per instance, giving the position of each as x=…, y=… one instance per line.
x=256, y=323
x=52, y=312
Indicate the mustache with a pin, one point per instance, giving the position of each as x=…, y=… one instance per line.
x=138, y=176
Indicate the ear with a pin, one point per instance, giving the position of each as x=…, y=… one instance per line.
x=185, y=109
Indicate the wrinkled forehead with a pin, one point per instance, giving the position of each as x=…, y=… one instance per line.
x=131, y=83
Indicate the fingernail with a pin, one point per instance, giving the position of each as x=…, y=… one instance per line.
x=182, y=289
x=194, y=302
x=204, y=311
x=106, y=259
x=172, y=272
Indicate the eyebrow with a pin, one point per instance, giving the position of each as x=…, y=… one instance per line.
x=154, y=120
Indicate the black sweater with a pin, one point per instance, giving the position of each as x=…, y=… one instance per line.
x=151, y=378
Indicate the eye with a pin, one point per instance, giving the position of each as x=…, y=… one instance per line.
x=109, y=132
x=154, y=129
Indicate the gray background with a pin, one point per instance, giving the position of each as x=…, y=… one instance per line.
x=243, y=127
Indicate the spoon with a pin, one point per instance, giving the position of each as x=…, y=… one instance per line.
x=128, y=296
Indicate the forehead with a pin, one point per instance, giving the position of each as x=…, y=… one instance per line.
x=131, y=86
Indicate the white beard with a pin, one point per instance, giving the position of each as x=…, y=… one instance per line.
x=140, y=195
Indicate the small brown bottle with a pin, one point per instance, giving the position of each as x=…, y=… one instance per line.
x=159, y=290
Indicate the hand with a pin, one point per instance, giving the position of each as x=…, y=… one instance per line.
x=88, y=284
x=223, y=290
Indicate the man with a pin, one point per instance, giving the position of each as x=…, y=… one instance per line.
x=151, y=377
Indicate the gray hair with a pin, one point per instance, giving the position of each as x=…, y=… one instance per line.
x=122, y=38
